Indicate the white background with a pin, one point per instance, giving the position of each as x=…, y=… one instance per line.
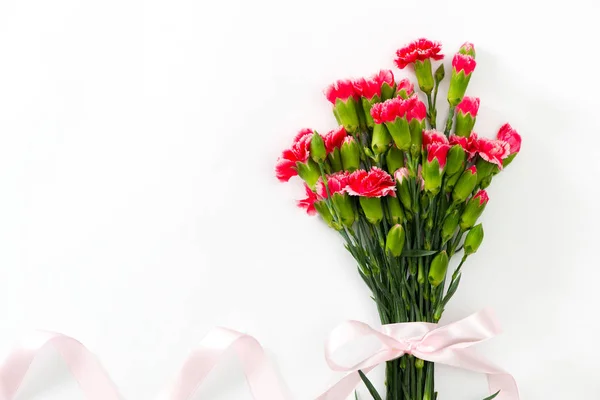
x=138, y=206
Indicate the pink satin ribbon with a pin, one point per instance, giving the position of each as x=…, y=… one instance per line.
x=96, y=385
x=448, y=345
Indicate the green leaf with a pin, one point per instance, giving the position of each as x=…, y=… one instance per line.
x=418, y=253
x=492, y=396
x=440, y=73
x=369, y=386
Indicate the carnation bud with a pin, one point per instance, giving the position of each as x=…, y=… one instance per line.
x=371, y=206
x=473, y=239
x=462, y=69
x=465, y=185
x=343, y=205
x=346, y=113
x=424, y=75
x=440, y=72
x=456, y=159
x=438, y=268
x=449, y=226
x=323, y=210
x=473, y=210
x=484, y=169
x=434, y=166
x=416, y=132
x=309, y=172
x=317, y=148
x=366, y=108
x=402, y=176
x=451, y=181
x=350, y=154
x=394, y=159
x=396, y=214
x=381, y=139
x=467, y=49
x=394, y=242
x=387, y=91
x=466, y=113
x=335, y=160
x=400, y=132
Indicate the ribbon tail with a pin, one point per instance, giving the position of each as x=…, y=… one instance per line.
x=498, y=379
x=87, y=371
x=344, y=387
x=264, y=383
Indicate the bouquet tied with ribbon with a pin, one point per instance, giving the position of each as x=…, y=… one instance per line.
x=404, y=195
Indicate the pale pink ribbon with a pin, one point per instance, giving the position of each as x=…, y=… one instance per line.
x=440, y=344
x=449, y=344
x=96, y=385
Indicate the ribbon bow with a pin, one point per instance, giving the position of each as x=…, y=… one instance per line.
x=449, y=344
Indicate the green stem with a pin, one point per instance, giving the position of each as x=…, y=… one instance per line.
x=449, y=120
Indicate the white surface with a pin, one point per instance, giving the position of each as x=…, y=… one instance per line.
x=138, y=206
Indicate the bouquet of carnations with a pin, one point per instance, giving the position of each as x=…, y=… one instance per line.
x=404, y=196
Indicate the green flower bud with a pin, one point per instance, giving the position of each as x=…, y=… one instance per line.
x=449, y=226
x=317, y=148
x=451, y=182
x=381, y=139
x=416, y=132
x=467, y=49
x=350, y=154
x=347, y=114
x=484, y=169
x=440, y=72
x=419, y=364
x=396, y=214
x=344, y=208
x=402, y=177
x=309, y=172
x=456, y=159
x=323, y=210
x=424, y=75
x=366, y=108
x=335, y=160
x=438, y=268
x=473, y=210
x=400, y=132
x=371, y=206
x=394, y=159
x=394, y=242
x=462, y=69
x=465, y=185
x=432, y=174
x=473, y=239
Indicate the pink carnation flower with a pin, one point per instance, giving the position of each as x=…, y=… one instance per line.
x=285, y=168
x=470, y=144
x=309, y=202
x=468, y=105
x=509, y=135
x=337, y=183
x=417, y=109
x=389, y=110
x=482, y=196
x=407, y=86
x=432, y=136
x=371, y=87
x=375, y=183
x=334, y=138
x=420, y=50
x=342, y=89
x=438, y=151
x=463, y=62
x=493, y=151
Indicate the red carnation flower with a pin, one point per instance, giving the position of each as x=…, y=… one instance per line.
x=463, y=62
x=470, y=144
x=438, y=151
x=337, y=183
x=285, y=168
x=417, y=109
x=371, y=87
x=389, y=110
x=509, y=135
x=432, y=136
x=375, y=183
x=493, y=151
x=421, y=50
x=482, y=196
x=407, y=86
x=468, y=105
x=309, y=202
x=342, y=89
x=334, y=138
